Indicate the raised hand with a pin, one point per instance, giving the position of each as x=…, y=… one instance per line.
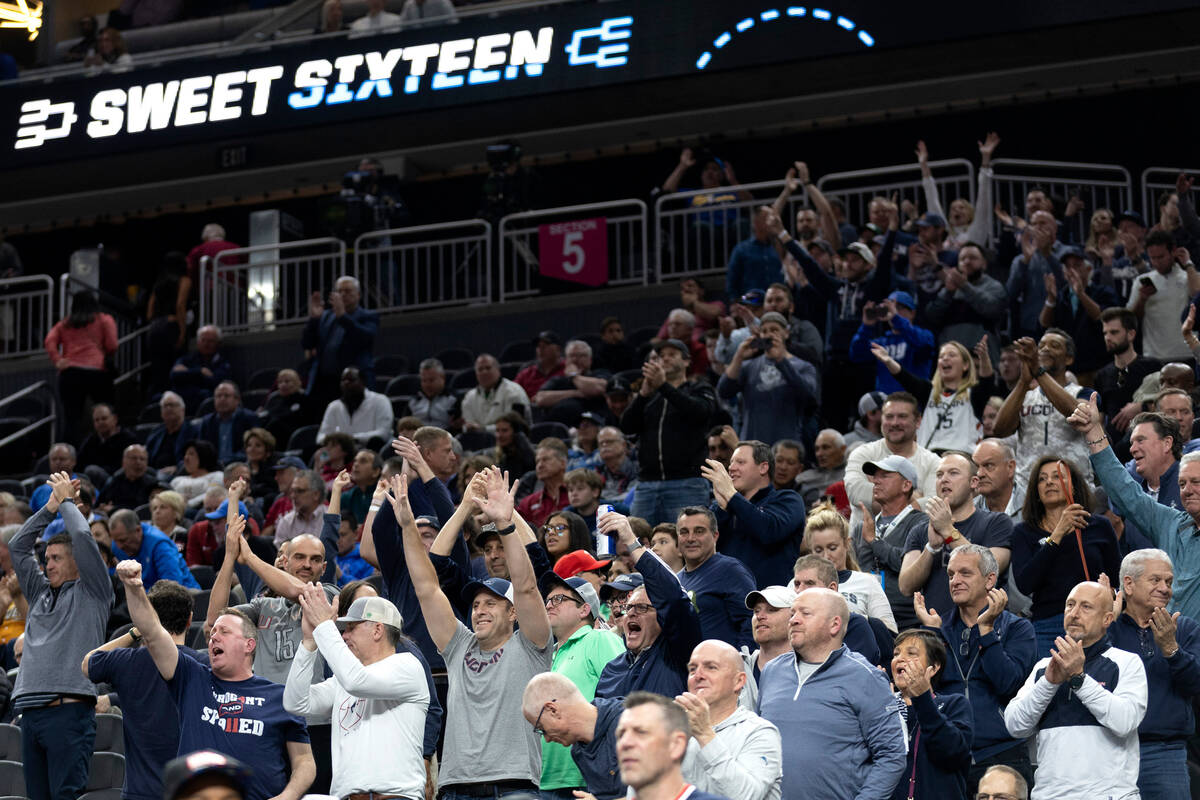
x=940, y=519
x=687, y=158
x=398, y=497
x=1182, y=256
x=233, y=538
x=984, y=355
x=771, y=221
x=653, y=376
x=1051, y=286
x=790, y=181
x=715, y=473
x=997, y=600
x=802, y=172
x=341, y=481
x=988, y=146
x=1086, y=417
x=1066, y=658
x=922, y=154
x=316, y=306
x=1028, y=245
x=500, y=497
x=884, y=357
x=1026, y=350
x=1074, y=517
x=868, y=523
x=130, y=572
x=1163, y=624
x=315, y=607
x=1189, y=324
x=911, y=679
x=926, y=616
x=62, y=487
x=1183, y=184
x=336, y=304
x=699, y=720
x=237, y=490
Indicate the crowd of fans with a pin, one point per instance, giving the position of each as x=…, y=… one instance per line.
x=851, y=528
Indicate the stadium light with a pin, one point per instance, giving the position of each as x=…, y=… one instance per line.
x=18, y=14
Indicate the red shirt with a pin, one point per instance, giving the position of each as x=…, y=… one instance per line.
x=202, y=543
x=206, y=249
x=281, y=506
x=540, y=506
x=532, y=379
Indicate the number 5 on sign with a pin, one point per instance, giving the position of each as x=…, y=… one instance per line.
x=575, y=251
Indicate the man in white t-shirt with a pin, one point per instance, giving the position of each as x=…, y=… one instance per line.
x=377, y=697
x=1160, y=296
x=376, y=20
x=901, y=418
x=1037, y=407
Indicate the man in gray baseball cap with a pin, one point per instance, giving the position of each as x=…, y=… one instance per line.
x=377, y=695
x=879, y=540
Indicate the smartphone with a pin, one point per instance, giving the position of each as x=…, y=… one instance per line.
x=1147, y=281
x=759, y=343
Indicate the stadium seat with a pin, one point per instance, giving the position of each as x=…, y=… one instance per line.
x=33, y=482
x=517, y=350
x=376, y=580
x=206, y=407
x=102, y=794
x=97, y=474
x=476, y=440
x=150, y=413
x=107, y=772
x=14, y=487
x=42, y=465
x=641, y=336
x=593, y=339
x=195, y=636
x=456, y=358
x=110, y=736
x=464, y=379
x=543, y=430
x=629, y=375
x=12, y=778
x=400, y=405
x=143, y=512
x=254, y=398
x=144, y=429
x=262, y=379
x=390, y=365
x=200, y=603
x=204, y=575
x=403, y=384
x=10, y=742
x=304, y=439
x=509, y=369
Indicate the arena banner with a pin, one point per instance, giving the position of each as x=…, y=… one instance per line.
x=478, y=62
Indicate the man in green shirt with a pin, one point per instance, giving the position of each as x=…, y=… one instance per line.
x=580, y=655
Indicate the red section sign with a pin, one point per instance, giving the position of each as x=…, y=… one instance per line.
x=575, y=251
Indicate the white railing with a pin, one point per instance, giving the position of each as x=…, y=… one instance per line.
x=26, y=314
x=425, y=266
x=128, y=358
x=521, y=260
x=50, y=419
x=267, y=285
x=1155, y=181
x=954, y=178
x=698, y=229
x=1097, y=185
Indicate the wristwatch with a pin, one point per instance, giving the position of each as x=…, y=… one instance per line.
x=1076, y=682
x=1040, y=372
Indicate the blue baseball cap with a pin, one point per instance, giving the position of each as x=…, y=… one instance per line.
x=289, y=461
x=223, y=509
x=931, y=220
x=497, y=586
x=905, y=299
x=622, y=583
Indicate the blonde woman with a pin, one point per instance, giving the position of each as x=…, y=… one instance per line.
x=953, y=400
x=827, y=535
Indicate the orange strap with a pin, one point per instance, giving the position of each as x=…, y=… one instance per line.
x=1068, y=487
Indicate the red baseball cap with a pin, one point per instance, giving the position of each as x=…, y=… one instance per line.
x=576, y=562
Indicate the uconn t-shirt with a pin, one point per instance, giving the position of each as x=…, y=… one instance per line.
x=243, y=719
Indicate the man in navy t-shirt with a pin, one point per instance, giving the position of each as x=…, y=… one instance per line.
x=150, y=719
x=226, y=707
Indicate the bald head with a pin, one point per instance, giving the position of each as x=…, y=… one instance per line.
x=1088, y=612
x=715, y=674
x=818, y=623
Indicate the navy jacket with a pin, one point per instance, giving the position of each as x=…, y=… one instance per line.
x=397, y=586
x=340, y=342
x=661, y=667
x=192, y=384
x=763, y=533
x=989, y=674
x=597, y=760
x=718, y=588
x=209, y=429
x=939, y=748
x=1172, y=683
x=861, y=639
x=155, y=441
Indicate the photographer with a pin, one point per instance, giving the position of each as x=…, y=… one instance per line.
x=890, y=325
x=776, y=387
x=370, y=201
x=506, y=188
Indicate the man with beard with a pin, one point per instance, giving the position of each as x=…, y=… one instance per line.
x=1117, y=381
x=363, y=414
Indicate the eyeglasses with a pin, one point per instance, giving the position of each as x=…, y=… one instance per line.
x=993, y=796
x=638, y=608
x=557, y=600
x=560, y=528
x=964, y=645
x=540, y=731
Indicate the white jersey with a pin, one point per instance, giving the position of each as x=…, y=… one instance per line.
x=950, y=424
x=1044, y=430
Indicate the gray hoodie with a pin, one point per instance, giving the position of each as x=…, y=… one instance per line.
x=63, y=624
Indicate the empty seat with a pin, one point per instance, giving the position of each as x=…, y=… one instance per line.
x=509, y=369
x=476, y=440
x=199, y=603
x=304, y=439
x=143, y=512
x=143, y=429
x=110, y=735
x=391, y=365
x=463, y=380
x=107, y=772
x=206, y=407
x=518, y=350
x=10, y=742
x=13, y=487
x=254, y=398
x=400, y=405
x=403, y=384
x=204, y=575
x=12, y=778
x=151, y=412
x=543, y=430
x=33, y=482
x=456, y=358
x=262, y=379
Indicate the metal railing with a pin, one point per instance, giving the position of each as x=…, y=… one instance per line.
x=425, y=266
x=1097, y=185
x=267, y=285
x=128, y=358
x=1155, y=181
x=697, y=230
x=50, y=419
x=954, y=178
x=626, y=238
x=26, y=314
